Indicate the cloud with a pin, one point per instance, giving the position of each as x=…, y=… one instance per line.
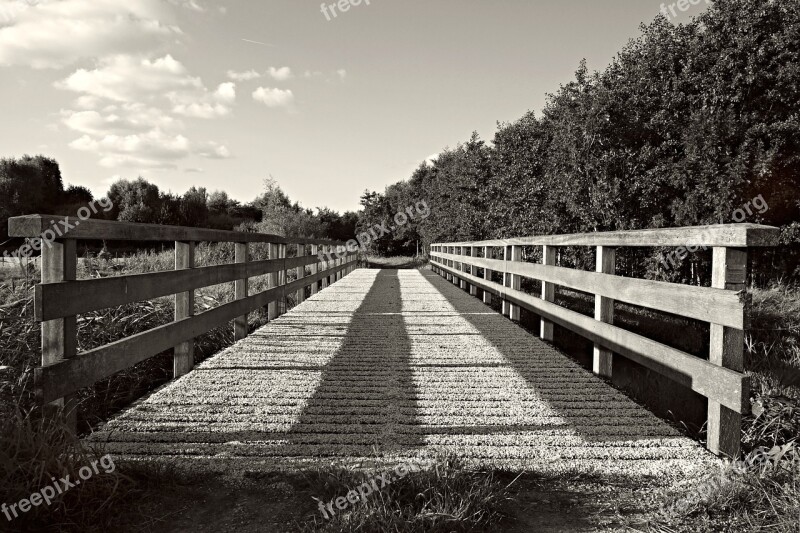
x=243, y=76
x=56, y=34
x=280, y=74
x=273, y=97
x=128, y=118
x=342, y=73
x=188, y=4
x=125, y=78
x=226, y=92
x=212, y=150
x=153, y=149
x=193, y=170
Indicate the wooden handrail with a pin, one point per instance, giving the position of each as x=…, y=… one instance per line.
x=724, y=305
x=60, y=297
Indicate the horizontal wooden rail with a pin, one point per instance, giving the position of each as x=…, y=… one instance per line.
x=57, y=300
x=724, y=305
x=34, y=226
x=724, y=235
x=61, y=297
x=70, y=375
x=701, y=303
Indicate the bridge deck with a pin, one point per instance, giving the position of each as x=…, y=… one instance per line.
x=391, y=364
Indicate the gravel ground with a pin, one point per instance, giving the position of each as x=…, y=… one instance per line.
x=392, y=364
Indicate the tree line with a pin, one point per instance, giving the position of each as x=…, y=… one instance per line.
x=687, y=124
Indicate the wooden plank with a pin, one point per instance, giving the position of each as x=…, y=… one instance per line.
x=95, y=229
x=548, y=292
x=56, y=300
x=183, y=359
x=60, y=337
x=473, y=290
x=729, y=272
x=701, y=303
x=727, y=387
x=722, y=235
x=300, y=295
x=602, y=358
x=240, y=324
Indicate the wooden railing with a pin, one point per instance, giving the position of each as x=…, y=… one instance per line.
x=61, y=297
x=724, y=305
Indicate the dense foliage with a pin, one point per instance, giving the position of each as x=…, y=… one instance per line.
x=687, y=125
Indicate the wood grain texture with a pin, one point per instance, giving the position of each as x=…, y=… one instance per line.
x=722, y=235
x=240, y=324
x=183, y=359
x=602, y=358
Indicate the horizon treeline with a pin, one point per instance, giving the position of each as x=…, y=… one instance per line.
x=33, y=184
x=688, y=124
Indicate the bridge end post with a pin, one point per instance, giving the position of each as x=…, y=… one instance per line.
x=729, y=272
x=240, y=324
x=183, y=357
x=60, y=336
x=602, y=358
x=548, y=292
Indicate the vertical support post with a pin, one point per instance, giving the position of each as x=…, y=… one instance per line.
x=60, y=336
x=300, y=296
x=515, y=283
x=602, y=358
x=506, y=311
x=315, y=269
x=183, y=358
x=272, y=307
x=473, y=290
x=282, y=279
x=325, y=263
x=548, y=293
x=487, y=275
x=729, y=272
x=463, y=252
x=240, y=326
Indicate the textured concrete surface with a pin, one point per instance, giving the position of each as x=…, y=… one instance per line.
x=388, y=364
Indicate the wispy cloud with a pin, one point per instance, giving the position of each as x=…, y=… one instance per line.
x=243, y=76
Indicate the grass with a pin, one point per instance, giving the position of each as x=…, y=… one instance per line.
x=445, y=497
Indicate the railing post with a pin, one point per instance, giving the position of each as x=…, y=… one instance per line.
x=729, y=272
x=325, y=263
x=603, y=359
x=487, y=275
x=183, y=358
x=515, y=283
x=300, y=296
x=506, y=311
x=463, y=268
x=282, y=279
x=548, y=292
x=272, y=307
x=473, y=289
x=60, y=336
x=240, y=325
x=315, y=269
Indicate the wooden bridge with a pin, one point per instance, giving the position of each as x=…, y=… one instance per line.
x=387, y=364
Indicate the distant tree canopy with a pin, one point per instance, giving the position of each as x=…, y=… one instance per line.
x=686, y=125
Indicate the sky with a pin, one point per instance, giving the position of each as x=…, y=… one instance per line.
x=330, y=102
